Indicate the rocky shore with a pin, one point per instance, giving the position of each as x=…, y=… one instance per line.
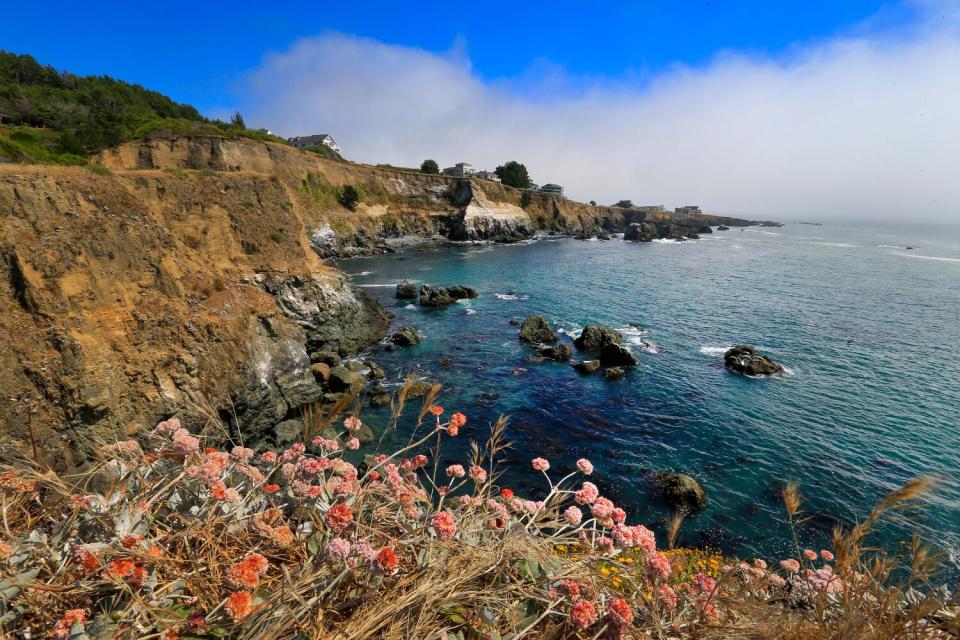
x=191, y=279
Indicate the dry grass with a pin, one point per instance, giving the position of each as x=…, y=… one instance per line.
x=149, y=546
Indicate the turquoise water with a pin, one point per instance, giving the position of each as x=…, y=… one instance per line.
x=868, y=331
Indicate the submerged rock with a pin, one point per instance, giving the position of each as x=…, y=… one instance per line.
x=723, y=228
x=406, y=290
x=405, y=337
x=561, y=352
x=614, y=373
x=596, y=336
x=586, y=367
x=681, y=491
x=745, y=360
x=535, y=331
x=617, y=355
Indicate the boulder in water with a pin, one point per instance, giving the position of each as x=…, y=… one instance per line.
x=596, y=336
x=442, y=296
x=641, y=232
x=617, y=355
x=681, y=491
x=586, y=367
x=614, y=373
x=406, y=290
x=723, y=228
x=561, y=352
x=745, y=360
x=536, y=331
x=405, y=337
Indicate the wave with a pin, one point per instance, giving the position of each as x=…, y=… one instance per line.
x=914, y=255
x=510, y=296
x=672, y=241
x=634, y=337
x=890, y=246
x=410, y=306
x=369, y=273
x=714, y=351
x=377, y=285
x=470, y=312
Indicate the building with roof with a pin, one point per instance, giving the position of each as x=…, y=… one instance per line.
x=552, y=188
x=460, y=170
x=305, y=142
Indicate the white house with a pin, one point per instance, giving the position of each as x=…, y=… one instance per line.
x=552, y=188
x=460, y=170
x=305, y=142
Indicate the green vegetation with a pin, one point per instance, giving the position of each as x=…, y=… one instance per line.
x=325, y=152
x=513, y=174
x=430, y=166
x=350, y=196
x=51, y=116
x=325, y=195
x=624, y=204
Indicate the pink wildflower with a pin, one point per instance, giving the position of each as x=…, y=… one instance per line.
x=337, y=549
x=587, y=494
x=352, y=423
x=620, y=613
x=667, y=596
x=239, y=605
x=420, y=461
x=602, y=508
x=618, y=515
x=70, y=617
x=444, y=524
x=339, y=516
x=352, y=443
x=790, y=565
x=810, y=554
x=242, y=453
x=183, y=442
x=387, y=561
x=703, y=582
x=759, y=563
x=658, y=566
x=268, y=457
x=540, y=464
x=573, y=516
x=457, y=420
x=604, y=544
x=583, y=614
x=436, y=410
x=478, y=474
x=585, y=466
x=456, y=471
x=826, y=555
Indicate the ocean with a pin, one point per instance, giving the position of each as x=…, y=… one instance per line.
x=869, y=333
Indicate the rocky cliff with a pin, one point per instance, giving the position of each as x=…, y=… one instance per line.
x=189, y=279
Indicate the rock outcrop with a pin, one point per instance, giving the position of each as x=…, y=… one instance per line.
x=406, y=290
x=442, y=296
x=745, y=360
x=613, y=373
x=596, y=336
x=587, y=367
x=405, y=337
x=617, y=355
x=535, y=330
x=560, y=352
x=682, y=492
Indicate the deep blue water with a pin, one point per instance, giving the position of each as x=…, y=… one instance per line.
x=869, y=332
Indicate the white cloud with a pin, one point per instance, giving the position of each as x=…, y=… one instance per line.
x=853, y=126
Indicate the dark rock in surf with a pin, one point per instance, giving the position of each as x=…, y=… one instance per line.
x=596, y=336
x=617, y=355
x=536, y=331
x=745, y=360
x=613, y=373
x=587, y=367
x=406, y=290
x=682, y=492
x=405, y=337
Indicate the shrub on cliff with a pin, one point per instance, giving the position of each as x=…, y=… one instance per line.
x=188, y=540
x=513, y=174
x=430, y=166
x=350, y=196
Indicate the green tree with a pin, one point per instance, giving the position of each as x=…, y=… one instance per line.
x=430, y=166
x=513, y=174
x=350, y=196
x=237, y=120
x=624, y=204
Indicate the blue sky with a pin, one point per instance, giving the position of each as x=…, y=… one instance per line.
x=197, y=51
x=809, y=110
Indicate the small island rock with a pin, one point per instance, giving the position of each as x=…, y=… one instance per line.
x=681, y=491
x=617, y=355
x=405, y=337
x=406, y=290
x=745, y=360
x=586, y=367
x=596, y=336
x=535, y=331
x=561, y=352
x=614, y=373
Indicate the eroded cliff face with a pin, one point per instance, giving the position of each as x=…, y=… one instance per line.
x=189, y=280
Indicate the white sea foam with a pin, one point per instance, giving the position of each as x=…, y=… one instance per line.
x=672, y=241
x=634, y=337
x=377, y=285
x=470, y=312
x=410, y=306
x=368, y=273
x=714, y=351
x=890, y=246
x=510, y=296
x=915, y=255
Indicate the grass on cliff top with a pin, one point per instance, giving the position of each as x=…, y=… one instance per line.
x=192, y=536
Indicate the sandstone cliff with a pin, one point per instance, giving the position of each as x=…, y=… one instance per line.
x=189, y=280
